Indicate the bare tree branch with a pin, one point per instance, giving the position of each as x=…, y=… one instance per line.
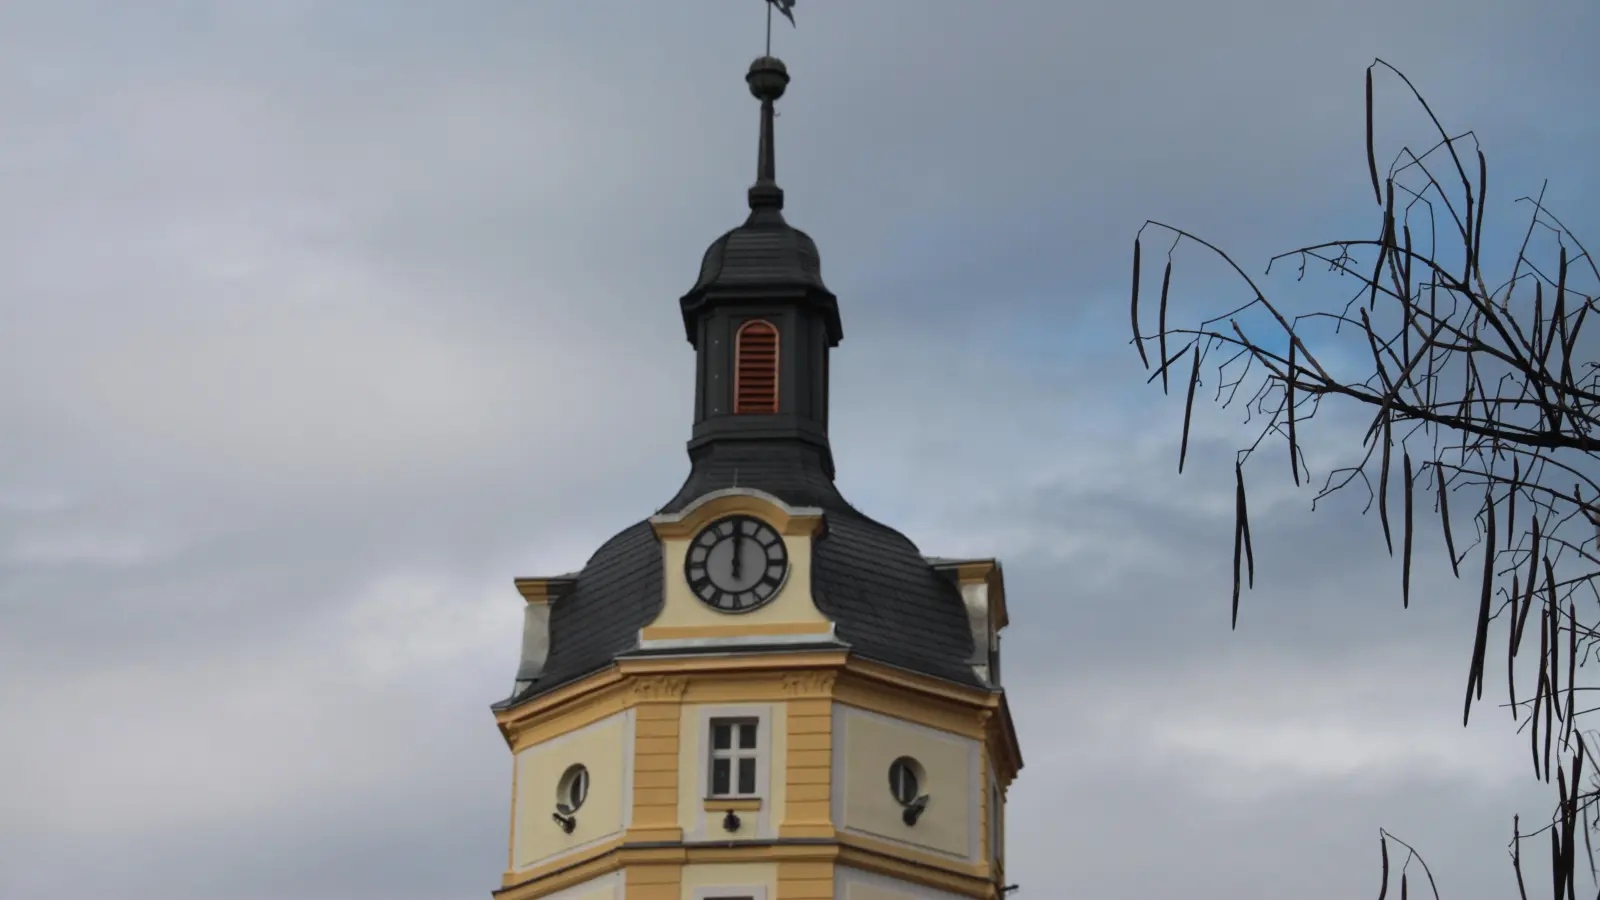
x=1485, y=391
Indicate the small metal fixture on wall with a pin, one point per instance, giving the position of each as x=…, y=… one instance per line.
x=914, y=810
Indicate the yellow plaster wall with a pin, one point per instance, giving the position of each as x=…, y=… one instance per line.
x=867, y=745
x=660, y=881
x=602, y=748
x=987, y=811
x=606, y=887
x=858, y=891
x=732, y=875
x=656, y=789
x=805, y=880
x=808, y=772
x=792, y=606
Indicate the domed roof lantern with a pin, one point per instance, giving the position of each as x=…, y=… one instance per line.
x=760, y=290
x=765, y=258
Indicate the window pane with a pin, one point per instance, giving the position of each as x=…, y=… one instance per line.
x=719, y=776
x=747, y=736
x=721, y=736
x=573, y=787
x=903, y=780
x=747, y=776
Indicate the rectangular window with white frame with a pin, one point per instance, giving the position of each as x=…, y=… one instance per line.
x=735, y=757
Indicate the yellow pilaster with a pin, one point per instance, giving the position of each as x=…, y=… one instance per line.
x=805, y=881
x=985, y=804
x=808, y=772
x=657, y=701
x=661, y=881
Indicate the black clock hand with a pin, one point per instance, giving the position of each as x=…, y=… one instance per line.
x=738, y=553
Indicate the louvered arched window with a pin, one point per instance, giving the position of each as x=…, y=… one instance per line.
x=755, y=368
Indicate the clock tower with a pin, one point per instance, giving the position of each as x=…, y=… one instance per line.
x=760, y=693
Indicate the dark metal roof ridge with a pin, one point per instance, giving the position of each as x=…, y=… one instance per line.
x=734, y=650
x=942, y=562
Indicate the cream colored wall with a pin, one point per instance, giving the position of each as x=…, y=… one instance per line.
x=865, y=744
x=791, y=605
x=701, y=876
x=605, y=748
x=855, y=884
x=694, y=772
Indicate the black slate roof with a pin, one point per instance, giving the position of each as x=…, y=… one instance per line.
x=888, y=602
x=763, y=252
x=764, y=255
x=618, y=592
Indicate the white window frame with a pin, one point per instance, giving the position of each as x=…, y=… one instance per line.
x=736, y=754
x=564, y=786
x=708, y=825
x=914, y=770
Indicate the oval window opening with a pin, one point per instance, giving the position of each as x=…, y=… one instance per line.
x=572, y=790
x=905, y=780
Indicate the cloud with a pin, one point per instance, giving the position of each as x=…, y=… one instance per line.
x=320, y=322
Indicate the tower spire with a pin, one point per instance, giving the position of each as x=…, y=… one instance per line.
x=767, y=78
x=762, y=323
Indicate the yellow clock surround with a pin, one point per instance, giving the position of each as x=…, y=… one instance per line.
x=790, y=616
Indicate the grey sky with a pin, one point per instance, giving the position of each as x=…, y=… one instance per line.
x=321, y=321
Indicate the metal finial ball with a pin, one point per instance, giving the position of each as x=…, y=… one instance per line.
x=767, y=78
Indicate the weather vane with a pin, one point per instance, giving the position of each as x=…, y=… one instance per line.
x=783, y=6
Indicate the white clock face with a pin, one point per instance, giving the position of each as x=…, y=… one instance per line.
x=736, y=564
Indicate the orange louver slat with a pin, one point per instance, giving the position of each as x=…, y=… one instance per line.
x=755, y=374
